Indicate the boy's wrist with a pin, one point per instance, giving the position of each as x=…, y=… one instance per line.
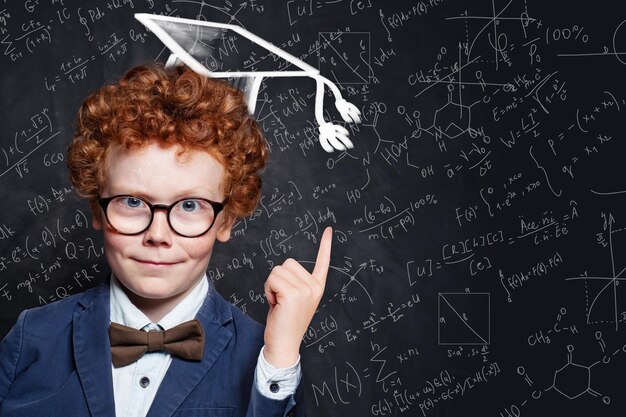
x=281, y=358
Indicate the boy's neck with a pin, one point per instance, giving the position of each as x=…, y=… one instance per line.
x=156, y=309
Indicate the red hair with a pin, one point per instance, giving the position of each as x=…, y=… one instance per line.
x=170, y=107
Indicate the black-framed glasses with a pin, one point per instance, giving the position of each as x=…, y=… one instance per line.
x=132, y=215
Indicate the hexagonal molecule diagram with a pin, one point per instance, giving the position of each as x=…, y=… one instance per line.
x=573, y=380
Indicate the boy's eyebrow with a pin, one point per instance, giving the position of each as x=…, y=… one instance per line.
x=150, y=197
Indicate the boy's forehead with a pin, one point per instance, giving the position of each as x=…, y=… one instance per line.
x=158, y=170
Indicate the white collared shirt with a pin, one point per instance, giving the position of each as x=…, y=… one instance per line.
x=135, y=385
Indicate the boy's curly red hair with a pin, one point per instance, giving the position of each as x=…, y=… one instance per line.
x=151, y=104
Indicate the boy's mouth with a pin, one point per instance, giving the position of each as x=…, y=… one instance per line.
x=153, y=262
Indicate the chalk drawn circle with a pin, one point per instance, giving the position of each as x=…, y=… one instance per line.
x=617, y=54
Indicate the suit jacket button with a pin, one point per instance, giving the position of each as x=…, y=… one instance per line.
x=274, y=387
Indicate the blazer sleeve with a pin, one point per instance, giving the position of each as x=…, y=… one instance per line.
x=10, y=348
x=262, y=406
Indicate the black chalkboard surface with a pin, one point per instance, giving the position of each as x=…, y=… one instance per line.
x=479, y=222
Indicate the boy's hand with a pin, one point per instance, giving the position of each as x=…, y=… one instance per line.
x=293, y=295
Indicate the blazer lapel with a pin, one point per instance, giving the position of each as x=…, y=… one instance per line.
x=92, y=351
x=183, y=376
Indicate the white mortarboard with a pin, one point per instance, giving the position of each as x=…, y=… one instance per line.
x=222, y=50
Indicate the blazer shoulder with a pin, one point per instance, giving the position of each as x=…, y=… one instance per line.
x=37, y=356
x=59, y=314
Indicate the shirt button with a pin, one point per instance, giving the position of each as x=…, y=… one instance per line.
x=274, y=387
x=144, y=382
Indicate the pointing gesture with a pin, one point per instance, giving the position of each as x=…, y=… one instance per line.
x=293, y=295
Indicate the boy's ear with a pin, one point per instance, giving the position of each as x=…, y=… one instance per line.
x=223, y=233
x=96, y=216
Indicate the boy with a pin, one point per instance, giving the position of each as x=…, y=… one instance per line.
x=168, y=160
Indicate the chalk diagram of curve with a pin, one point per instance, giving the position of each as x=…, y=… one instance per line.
x=464, y=318
x=454, y=118
x=605, y=302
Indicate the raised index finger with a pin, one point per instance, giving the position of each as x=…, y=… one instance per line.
x=322, y=263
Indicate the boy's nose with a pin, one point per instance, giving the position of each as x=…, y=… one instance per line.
x=159, y=232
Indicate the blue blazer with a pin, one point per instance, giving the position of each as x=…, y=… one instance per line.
x=56, y=361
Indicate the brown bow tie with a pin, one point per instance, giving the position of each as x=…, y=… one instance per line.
x=128, y=345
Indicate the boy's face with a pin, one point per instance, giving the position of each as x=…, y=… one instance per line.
x=157, y=264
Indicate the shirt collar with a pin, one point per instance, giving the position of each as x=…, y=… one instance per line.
x=124, y=312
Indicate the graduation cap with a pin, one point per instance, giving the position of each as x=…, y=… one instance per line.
x=229, y=51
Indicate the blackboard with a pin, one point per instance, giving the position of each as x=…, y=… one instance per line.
x=479, y=222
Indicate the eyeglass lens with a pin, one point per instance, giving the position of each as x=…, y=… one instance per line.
x=188, y=217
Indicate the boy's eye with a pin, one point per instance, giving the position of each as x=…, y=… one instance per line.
x=132, y=202
x=189, y=205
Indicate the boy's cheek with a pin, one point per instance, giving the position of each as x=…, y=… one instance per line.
x=223, y=232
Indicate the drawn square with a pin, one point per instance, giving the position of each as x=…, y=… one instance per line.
x=344, y=57
x=464, y=318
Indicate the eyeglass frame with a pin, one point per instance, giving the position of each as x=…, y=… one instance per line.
x=103, y=202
